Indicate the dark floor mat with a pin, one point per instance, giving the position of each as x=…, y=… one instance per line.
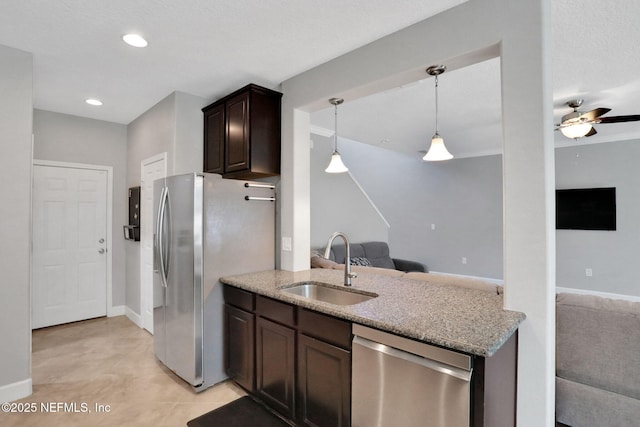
x=244, y=412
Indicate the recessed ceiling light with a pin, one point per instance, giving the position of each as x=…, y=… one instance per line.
x=134, y=40
x=93, y=101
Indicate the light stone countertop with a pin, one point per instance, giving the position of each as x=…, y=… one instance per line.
x=462, y=319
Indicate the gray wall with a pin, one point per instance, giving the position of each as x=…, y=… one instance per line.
x=173, y=125
x=612, y=255
x=66, y=138
x=16, y=110
x=461, y=197
x=337, y=203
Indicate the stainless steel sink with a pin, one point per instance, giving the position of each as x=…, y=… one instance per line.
x=325, y=293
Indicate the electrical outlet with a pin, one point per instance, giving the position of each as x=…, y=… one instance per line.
x=433, y=226
x=464, y=259
x=286, y=244
x=588, y=272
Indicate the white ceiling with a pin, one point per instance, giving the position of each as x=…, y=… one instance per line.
x=209, y=48
x=203, y=47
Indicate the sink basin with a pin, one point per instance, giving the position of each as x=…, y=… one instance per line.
x=326, y=293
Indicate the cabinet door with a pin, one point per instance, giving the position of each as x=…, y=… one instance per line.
x=275, y=366
x=239, y=346
x=324, y=384
x=237, y=133
x=214, y=130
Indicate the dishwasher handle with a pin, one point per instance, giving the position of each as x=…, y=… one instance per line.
x=462, y=374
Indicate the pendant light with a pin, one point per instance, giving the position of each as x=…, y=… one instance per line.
x=336, y=165
x=437, y=150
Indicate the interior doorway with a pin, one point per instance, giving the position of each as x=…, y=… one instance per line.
x=150, y=169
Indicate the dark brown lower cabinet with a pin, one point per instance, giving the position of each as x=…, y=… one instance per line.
x=275, y=366
x=324, y=384
x=298, y=362
x=240, y=346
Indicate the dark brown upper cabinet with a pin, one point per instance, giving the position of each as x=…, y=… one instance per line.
x=242, y=134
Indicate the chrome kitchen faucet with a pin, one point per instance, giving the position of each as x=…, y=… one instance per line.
x=348, y=275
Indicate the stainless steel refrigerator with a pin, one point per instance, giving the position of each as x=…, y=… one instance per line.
x=205, y=227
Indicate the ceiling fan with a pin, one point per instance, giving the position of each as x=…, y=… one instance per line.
x=578, y=124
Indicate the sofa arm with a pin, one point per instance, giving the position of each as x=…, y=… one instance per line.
x=407, y=266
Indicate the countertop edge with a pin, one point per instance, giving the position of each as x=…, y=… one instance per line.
x=273, y=290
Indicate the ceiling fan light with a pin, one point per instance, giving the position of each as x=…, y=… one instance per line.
x=437, y=151
x=336, y=165
x=576, y=131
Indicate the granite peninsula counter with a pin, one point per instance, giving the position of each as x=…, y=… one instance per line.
x=458, y=318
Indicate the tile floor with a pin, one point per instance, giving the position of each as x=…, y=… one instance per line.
x=108, y=361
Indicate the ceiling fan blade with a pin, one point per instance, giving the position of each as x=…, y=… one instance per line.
x=594, y=114
x=620, y=119
x=593, y=131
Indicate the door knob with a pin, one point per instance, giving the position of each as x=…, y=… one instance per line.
x=101, y=251
x=101, y=241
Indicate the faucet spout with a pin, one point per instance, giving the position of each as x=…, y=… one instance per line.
x=348, y=275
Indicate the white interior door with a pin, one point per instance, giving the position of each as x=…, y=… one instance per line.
x=151, y=169
x=69, y=245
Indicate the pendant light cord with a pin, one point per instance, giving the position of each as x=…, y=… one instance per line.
x=436, y=89
x=335, y=135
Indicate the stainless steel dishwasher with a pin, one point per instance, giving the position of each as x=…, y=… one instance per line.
x=398, y=382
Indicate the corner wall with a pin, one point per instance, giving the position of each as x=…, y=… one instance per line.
x=174, y=125
x=16, y=122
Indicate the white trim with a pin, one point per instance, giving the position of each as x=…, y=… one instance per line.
x=133, y=316
x=499, y=282
x=160, y=157
x=15, y=391
x=118, y=310
x=109, y=232
x=366, y=196
x=320, y=131
x=631, y=298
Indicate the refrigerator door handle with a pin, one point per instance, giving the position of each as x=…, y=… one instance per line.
x=260, y=199
x=166, y=217
x=162, y=237
x=156, y=237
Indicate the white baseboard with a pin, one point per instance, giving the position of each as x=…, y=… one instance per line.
x=15, y=391
x=498, y=282
x=133, y=316
x=597, y=293
x=118, y=310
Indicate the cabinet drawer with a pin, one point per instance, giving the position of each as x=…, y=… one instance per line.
x=239, y=298
x=275, y=310
x=326, y=328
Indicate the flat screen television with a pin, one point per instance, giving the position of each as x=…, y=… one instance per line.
x=586, y=209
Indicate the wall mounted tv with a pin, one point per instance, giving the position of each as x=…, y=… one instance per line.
x=586, y=209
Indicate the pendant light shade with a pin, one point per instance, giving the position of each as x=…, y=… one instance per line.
x=336, y=165
x=437, y=150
